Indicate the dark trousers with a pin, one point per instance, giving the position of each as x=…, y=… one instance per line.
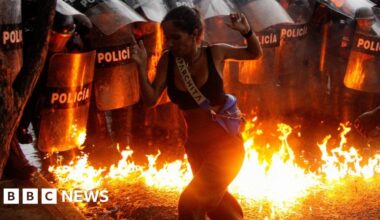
x=215, y=158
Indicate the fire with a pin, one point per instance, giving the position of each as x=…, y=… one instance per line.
x=339, y=163
x=276, y=178
x=156, y=53
x=79, y=135
x=155, y=57
x=175, y=175
x=323, y=48
x=248, y=71
x=354, y=77
x=125, y=167
x=78, y=175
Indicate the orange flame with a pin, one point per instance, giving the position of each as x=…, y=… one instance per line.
x=339, y=163
x=78, y=175
x=323, y=47
x=277, y=179
x=156, y=53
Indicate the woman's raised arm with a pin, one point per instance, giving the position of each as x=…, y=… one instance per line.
x=149, y=92
x=253, y=49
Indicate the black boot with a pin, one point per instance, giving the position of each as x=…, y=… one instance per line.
x=18, y=166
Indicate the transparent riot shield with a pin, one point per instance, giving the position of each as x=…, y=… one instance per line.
x=216, y=14
x=66, y=9
x=376, y=25
x=299, y=10
x=11, y=38
x=257, y=90
x=212, y=8
x=64, y=116
x=153, y=10
x=176, y=3
x=108, y=16
x=116, y=78
x=294, y=55
x=294, y=49
x=362, y=72
x=347, y=7
x=263, y=14
x=216, y=31
x=262, y=71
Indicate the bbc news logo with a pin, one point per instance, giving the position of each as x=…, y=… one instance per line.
x=50, y=196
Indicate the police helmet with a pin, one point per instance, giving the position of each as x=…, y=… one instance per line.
x=364, y=13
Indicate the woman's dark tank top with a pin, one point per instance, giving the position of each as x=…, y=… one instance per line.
x=212, y=89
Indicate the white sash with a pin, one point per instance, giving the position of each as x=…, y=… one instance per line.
x=190, y=85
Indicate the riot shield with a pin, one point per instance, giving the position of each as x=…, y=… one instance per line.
x=216, y=14
x=64, y=116
x=11, y=38
x=212, y=8
x=295, y=58
x=108, y=16
x=153, y=10
x=263, y=14
x=362, y=72
x=66, y=9
x=176, y=3
x=294, y=50
x=347, y=7
x=376, y=25
x=259, y=77
x=299, y=10
x=262, y=71
x=216, y=31
x=116, y=79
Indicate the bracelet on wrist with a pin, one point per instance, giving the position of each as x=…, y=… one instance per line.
x=248, y=34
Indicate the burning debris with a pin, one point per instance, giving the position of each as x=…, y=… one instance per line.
x=270, y=186
x=277, y=180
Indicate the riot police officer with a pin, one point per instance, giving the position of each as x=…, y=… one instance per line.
x=62, y=30
x=362, y=87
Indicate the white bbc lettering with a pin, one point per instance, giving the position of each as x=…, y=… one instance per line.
x=67, y=196
x=91, y=196
x=85, y=196
x=29, y=196
x=11, y=196
x=78, y=196
x=48, y=196
x=104, y=196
